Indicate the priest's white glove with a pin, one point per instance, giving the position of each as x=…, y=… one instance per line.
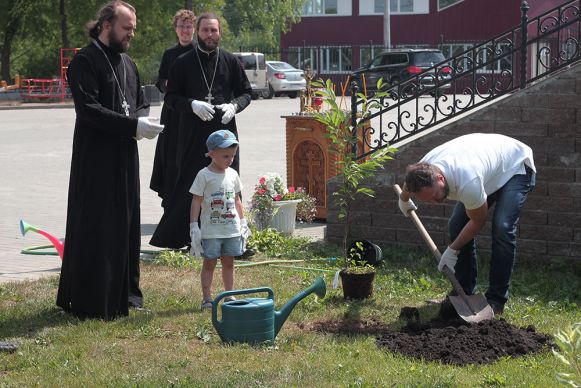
x=196, y=238
x=405, y=207
x=449, y=259
x=148, y=127
x=229, y=112
x=203, y=110
x=244, y=229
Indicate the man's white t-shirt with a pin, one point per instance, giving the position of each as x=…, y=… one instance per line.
x=479, y=164
x=219, y=217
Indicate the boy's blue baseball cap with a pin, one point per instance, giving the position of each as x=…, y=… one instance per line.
x=222, y=138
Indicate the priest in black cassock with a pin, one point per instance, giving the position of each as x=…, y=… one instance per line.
x=208, y=86
x=100, y=269
x=165, y=168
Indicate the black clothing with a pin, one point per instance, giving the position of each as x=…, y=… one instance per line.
x=185, y=84
x=164, y=173
x=100, y=269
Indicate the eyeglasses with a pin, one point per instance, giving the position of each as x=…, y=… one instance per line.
x=185, y=27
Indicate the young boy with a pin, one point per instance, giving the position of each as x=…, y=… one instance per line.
x=216, y=191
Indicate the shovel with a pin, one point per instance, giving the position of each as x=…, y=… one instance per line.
x=471, y=308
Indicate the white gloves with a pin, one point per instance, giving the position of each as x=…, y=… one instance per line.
x=196, y=238
x=229, y=112
x=147, y=127
x=405, y=207
x=244, y=229
x=448, y=259
x=203, y=110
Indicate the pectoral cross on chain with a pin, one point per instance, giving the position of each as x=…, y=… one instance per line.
x=209, y=98
x=125, y=107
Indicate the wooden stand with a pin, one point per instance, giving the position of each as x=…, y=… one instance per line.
x=309, y=163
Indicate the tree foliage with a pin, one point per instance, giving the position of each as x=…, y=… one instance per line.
x=31, y=33
x=260, y=23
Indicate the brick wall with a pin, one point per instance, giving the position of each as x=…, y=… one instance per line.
x=547, y=117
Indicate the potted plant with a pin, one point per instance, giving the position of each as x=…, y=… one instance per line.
x=275, y=205
x=352, y=173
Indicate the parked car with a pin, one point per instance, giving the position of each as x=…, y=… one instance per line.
x=254, y=66
x=401, y=64
x=284, y=79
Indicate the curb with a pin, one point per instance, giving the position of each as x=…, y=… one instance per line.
x=38, y=106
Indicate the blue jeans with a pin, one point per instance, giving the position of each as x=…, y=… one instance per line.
x=508, y=201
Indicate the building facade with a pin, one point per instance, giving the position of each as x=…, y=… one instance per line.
x=335, y=37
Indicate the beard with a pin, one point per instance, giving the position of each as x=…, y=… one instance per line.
x=116, y=44
x=207, y=47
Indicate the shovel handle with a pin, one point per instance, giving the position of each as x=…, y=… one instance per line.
x=425, y=235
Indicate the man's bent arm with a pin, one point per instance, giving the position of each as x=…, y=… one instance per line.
x=477, y=219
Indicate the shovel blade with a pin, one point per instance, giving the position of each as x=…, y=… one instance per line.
x=474, y=309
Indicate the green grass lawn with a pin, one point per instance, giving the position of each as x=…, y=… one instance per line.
x=175, y=343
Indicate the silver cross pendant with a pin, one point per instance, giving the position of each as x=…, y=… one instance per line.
x=125, y=107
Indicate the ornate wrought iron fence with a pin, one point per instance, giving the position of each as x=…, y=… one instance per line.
x=485, y=72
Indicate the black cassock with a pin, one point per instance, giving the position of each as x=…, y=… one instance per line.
x=100, y=269
x=164, y=173
x=185, y=84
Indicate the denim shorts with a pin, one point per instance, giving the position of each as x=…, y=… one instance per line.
x=214, y=248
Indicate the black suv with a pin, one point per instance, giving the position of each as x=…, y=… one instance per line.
x=398, y=65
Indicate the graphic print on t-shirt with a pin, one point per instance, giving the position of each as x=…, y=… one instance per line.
x=222, y=207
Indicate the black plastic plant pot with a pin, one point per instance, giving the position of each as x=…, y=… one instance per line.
x=371, y=253
x=357, y=285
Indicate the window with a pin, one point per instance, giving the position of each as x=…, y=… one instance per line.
x=366, y=53
x=497, y=56
x=501, y=60
x=320, y=7
x=395, y=6
x=304, y=58
x=330, y=59
x=447, y=3
x=450, y=50
x=336, y=59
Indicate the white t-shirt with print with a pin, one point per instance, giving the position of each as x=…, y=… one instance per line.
x=219, y=217
x=479, y=164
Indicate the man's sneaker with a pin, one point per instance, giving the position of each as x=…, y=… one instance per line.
x=229, y=299
x=206, y=304
x=497, y=307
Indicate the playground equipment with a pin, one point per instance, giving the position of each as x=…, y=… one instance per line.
x=5, y=87
x=254, y=320
x=43, y=89
x=58, y=244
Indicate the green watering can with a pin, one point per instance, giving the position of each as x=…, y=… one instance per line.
x=253, y=320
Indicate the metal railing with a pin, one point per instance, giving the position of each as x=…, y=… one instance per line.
x=485, y=72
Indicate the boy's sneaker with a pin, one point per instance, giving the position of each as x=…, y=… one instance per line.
x=247, y=254
x=229, y=299
x=206, y=304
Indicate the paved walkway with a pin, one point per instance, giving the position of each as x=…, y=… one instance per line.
x=35, y=154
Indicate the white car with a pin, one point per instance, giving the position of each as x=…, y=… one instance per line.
x=255, y=68
x=284, y=79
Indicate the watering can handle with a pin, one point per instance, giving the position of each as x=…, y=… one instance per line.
x=237, y=292
x=244, y=291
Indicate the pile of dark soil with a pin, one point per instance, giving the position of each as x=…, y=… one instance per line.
x=462, y=343
x=450, y=341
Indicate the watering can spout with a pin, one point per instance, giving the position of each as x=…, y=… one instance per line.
x=318, y=287
x=58, y=244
